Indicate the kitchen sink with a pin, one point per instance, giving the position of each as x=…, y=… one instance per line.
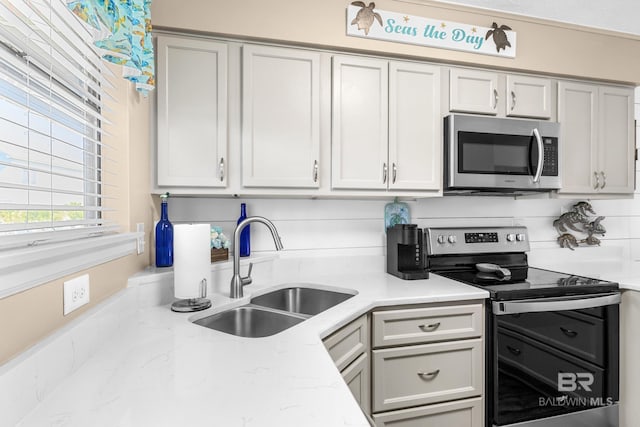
x=250, y=322
x=306, y=301
x=273, y=312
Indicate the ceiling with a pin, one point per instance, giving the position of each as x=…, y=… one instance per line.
x=616, y=15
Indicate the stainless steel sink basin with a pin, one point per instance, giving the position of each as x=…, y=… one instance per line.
x=250, y=322
x=306, y=301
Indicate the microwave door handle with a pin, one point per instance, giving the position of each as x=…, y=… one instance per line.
x=559, y=304
x=536, y=134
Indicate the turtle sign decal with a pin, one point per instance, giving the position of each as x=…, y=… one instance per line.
x=365, y=21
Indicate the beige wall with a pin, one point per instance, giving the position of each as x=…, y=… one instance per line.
x=29, y=316
x=543, y=46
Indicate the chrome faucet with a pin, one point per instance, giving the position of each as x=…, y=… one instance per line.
x=237, y=281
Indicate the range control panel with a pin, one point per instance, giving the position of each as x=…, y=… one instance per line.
x=469, y=240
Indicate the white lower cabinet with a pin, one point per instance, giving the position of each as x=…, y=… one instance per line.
x=459, y=413
x=349, y=349
x=358, y=379
x=428, y=366
x=429, y=373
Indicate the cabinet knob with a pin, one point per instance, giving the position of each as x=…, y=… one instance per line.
x=395, y=173
x=384, y=173
x=604, y=180
x=495, y=99
x=513, y=100
x=597, y=184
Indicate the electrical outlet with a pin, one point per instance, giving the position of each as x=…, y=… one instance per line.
x=76, y=293
x=140, y=241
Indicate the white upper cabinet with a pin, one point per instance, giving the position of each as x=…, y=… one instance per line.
x=509, y=95
x=597, y=138
x=528, y=97
x=415, y=141
x=280, y=117
x=359, y=123
x=473, y=91
x=577, y=114
x=192, y=112
x=616, y=152
x=386, y=130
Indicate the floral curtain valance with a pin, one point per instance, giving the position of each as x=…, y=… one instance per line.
x=122, y=30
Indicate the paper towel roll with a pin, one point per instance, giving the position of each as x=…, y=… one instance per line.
x=191, y=259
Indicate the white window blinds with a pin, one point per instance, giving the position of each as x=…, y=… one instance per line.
x=52, y=162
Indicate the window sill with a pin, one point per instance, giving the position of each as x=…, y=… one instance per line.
x=25, y=268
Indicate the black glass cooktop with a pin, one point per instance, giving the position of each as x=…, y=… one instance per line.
x=530, y=282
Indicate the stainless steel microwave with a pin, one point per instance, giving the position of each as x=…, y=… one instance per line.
x=500, y=155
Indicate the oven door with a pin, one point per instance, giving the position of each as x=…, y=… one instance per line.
x=554, y=362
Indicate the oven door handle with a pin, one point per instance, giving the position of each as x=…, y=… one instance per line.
x=554, y=304
x=536, y=134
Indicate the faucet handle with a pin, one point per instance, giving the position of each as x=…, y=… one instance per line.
x=247, y=279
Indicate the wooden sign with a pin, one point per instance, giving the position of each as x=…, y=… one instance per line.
x=367, y=22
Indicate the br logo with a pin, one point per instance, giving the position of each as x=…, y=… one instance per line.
x=569, y=381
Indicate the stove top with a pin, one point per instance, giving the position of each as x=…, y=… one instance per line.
x=455, y=252
x=530, y=282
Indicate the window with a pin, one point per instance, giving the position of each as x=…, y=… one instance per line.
x=52, y=86
x=53, y=169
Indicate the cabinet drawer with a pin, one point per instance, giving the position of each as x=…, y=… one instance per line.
x=422, y=325
x=578, y=334
x=428, y=373
x=345, y=345
x=462, y=413
x=544, y=363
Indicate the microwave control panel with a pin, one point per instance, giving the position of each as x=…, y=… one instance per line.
x=550, y=165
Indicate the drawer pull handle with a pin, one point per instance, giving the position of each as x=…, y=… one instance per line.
x=429, y=375
x=568, y=332
x=513, y=350
x=430, y=328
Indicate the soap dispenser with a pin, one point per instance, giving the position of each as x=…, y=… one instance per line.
x=164, y=236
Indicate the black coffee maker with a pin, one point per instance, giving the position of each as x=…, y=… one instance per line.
x=405, y=255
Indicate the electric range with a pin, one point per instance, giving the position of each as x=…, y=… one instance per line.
x=552, y=339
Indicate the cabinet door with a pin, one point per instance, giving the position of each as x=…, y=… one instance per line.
x=192, y=112
x=280, y=117
x=616, y=140
x=359, y=123
x=414, y=127
x=577, y=114
x=358, y=379
x=345, y=345
x=472, y=91
x=528, y=97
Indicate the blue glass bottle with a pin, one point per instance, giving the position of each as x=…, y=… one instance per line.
x=164, y=236
x=245, y=235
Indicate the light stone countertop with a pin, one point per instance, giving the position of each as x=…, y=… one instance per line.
x=160, y=369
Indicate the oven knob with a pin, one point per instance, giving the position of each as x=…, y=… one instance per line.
x=511, y=237
x=452, y=239
x=520, y=237
x=442, y=239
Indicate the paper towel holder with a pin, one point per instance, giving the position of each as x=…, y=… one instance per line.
x=189, y=305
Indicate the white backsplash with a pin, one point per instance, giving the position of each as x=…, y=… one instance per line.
x=348, y=227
